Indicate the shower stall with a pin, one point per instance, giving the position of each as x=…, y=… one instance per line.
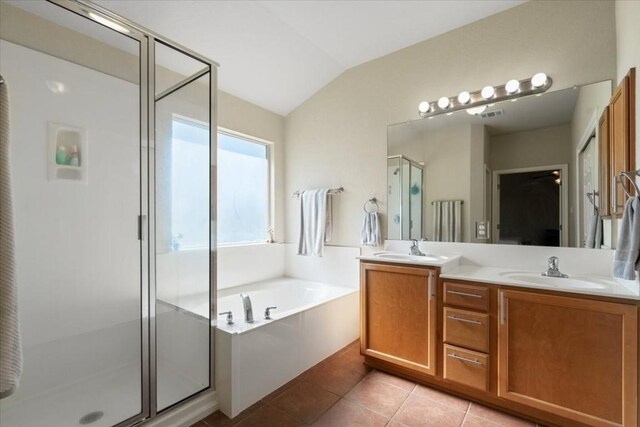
x=405, y=181
x=112, y=138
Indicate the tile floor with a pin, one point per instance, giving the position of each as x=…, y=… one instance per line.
x=342, y=391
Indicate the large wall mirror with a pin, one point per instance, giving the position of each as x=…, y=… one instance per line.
x=522, y=172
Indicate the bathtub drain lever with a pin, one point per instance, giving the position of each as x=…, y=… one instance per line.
x=229, y=316
x=267, y=312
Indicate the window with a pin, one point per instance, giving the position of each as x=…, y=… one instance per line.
x=189, y=185
x=243, y=190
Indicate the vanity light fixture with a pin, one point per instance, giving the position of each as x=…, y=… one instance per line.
x=443, y=103
x=464, y=97
x=512, y=86
x=424, y=107
x=488, y=92
x=487, y=96
x=538, y=80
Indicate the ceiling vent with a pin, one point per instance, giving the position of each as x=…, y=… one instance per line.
x=492, y=114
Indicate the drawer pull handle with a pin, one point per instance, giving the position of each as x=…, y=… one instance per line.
x=460, y=319
x=465, y=294
x=464, y=359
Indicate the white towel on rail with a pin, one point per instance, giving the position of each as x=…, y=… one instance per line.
x=315, y=221
x=370, y=235
x=447, y=221
x=626, y=259
x=10, y=343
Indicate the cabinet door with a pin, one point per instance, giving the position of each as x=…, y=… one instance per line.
x=572, y=357
x=622, y=138
x=604, y=200
x=398, y=315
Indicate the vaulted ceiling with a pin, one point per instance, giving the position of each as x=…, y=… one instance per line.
x=276, y=54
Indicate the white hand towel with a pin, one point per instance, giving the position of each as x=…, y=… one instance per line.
x=10, y=343
x=594, y=232
x=313, y=221
x=370, y=234
x=626, y=259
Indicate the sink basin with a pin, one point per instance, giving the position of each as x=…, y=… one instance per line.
x=399, y=256
x=575, y=282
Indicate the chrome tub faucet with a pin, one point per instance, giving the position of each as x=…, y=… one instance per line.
x=248, y=310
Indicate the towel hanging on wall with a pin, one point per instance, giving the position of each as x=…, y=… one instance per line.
x=626, y=259
x=10, y=343
x=316, y=221
x=447, y=221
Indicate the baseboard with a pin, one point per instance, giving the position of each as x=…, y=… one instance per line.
x=188, y=413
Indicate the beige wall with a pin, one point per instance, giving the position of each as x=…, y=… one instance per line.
x=538, y=147
x=338, y=136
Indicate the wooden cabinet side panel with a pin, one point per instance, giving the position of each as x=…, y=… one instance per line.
x=604, y=201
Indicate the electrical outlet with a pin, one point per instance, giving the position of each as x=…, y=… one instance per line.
x=482, y=230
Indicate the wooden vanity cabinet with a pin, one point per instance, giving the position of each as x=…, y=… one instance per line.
x=573, y=357
x=617, y=133
x=398, y=315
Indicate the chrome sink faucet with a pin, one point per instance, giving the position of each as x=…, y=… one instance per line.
x=415, y=250
x=247, y=308
x=552, y=268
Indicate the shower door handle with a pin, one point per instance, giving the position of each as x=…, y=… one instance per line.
x=142, y=219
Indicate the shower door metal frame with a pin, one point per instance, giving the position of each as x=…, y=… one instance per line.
x=147, y=39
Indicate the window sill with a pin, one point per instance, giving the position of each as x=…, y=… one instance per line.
x=237, y=245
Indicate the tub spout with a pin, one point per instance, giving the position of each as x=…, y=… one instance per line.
x=248, y=310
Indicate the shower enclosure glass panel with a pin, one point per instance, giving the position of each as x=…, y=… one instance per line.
x=182, y=192
x=405, y=198
x=75, y=127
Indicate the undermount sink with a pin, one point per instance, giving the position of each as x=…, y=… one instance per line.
x=576, y=282
x=407, y=257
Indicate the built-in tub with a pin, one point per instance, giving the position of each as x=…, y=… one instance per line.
x=313, y=320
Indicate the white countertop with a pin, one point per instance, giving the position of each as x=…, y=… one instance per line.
x=445, y=262
x=601, y=286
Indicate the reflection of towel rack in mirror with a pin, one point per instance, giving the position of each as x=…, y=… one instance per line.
x=331, y=191
x=619, y=179
x=371, y=205
x=591, y=195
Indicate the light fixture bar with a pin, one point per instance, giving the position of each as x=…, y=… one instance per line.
x=539, y=83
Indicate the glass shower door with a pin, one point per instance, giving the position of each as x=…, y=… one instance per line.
x=75, y=126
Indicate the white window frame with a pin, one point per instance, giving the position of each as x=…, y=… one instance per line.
x=270, y=146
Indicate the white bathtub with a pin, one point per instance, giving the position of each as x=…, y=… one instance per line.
x=313, y=320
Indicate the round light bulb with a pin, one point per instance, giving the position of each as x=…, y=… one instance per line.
x=424, y=107
x=443, y=102
x=512, y=86
x=464, y=97
x=474, y=111
x=539, y=80
x=488, y=92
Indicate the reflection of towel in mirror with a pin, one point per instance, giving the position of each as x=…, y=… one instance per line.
x=626, y=260
x=594, y=232
x=447, y=221
x=370, y=235
x=315, y=221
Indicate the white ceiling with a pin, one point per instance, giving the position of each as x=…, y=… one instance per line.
x=276, y=54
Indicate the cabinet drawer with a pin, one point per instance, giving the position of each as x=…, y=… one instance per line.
x=467, y=296
x=466, y=367
x=466, y=329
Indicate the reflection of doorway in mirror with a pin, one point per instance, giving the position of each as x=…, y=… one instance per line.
x=529, y=206
x=588, y=169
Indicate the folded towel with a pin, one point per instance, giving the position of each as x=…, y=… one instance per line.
x=315, y=227
x=370, y=235
x=594, y=232
x=10, y=345
x=626, y=258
